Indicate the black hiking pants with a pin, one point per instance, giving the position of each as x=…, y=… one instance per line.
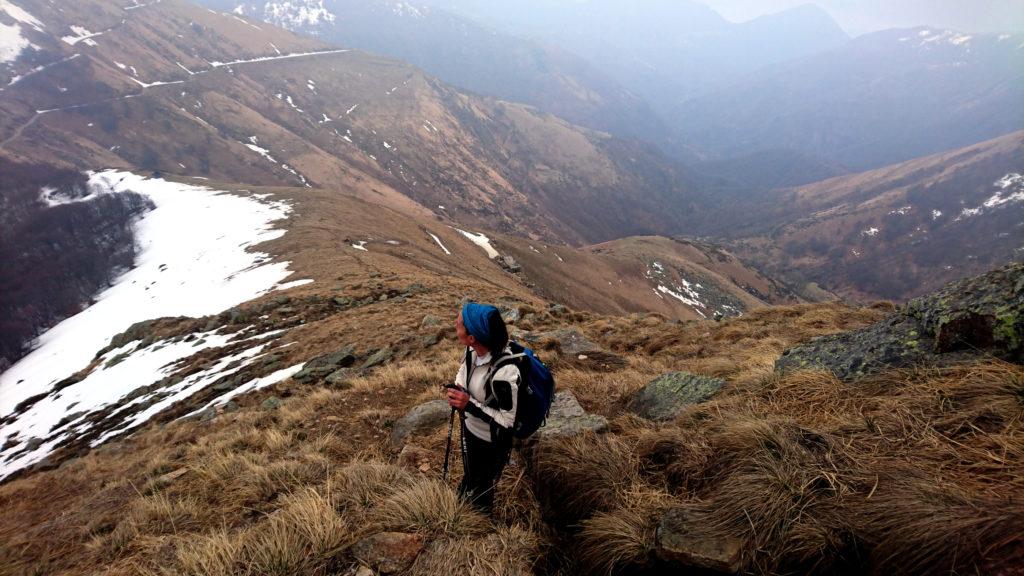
x=482, y=463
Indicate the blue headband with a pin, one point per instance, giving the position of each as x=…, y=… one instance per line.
x=478, y=320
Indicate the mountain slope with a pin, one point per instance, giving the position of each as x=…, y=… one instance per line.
x=467, y=55
x=249, y=103
x=883, y=98
x=899, y=231
x=278, y=158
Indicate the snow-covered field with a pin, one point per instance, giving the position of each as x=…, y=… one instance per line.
x=193, y=261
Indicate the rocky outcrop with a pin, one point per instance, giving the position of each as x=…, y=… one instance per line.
x=568, y=418
x=421, y=420
x=963, y=321
x=666, y=396
x=388, y=552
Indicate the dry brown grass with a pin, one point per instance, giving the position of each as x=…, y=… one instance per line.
x=908, y=472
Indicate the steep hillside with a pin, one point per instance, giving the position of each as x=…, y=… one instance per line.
x=883, y=98
x=179, y=89
x=468, y=56
x=59, y=244
x=899, y=231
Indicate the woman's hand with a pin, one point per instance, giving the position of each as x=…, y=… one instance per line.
x=457, y=398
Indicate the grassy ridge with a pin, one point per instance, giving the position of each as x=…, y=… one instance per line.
x=909, y=472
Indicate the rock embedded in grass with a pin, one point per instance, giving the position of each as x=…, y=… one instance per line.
x=680, y=541
x=568, y=418
x=388, y=552
x=665, y=397
x=377, y=358
x=322, y=366
x=570, y=341
x=421, y=420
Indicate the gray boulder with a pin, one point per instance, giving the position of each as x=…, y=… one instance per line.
x=379, y=357
x=322, y=366
x=666, y=396
x=568, y=418
x=963, y=321
x=422, y=419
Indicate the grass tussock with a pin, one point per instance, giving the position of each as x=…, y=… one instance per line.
x=429, y=507
x=910, y=472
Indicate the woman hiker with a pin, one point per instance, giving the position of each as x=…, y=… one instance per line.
x=486, y=422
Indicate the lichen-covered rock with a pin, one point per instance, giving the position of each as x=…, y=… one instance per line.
x=978, y=316
x=379, y=357
x=422, y=419
x=681, y=542
x=666, y=396
x=568, y=418
x=322, y=366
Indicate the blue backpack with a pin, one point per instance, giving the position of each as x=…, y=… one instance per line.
x=536, y=389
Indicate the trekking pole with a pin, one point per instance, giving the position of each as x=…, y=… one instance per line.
x=448, y=448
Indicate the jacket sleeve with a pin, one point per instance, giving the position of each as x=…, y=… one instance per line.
x=505, y=389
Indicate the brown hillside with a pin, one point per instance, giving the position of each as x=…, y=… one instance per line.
x=896, y=232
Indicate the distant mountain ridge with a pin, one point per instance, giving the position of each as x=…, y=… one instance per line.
x=469, y=56
x=883, y=98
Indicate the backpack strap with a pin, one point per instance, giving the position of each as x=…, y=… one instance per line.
x=498, y=365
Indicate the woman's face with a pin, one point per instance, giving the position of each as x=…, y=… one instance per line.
x=460, y=331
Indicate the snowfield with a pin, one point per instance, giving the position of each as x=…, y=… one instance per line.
x=194, y=259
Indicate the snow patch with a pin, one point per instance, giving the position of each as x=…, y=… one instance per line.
x=261, y=151
x=870, y=232
x=81, y=35
x=12, y=43
x=293, y=14
x=481, y=241
x=20, y=15
x=203, y=272
x=438, y=240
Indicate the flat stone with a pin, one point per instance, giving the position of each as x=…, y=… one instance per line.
x=388, y=552
x=322, y=366
x=377, y=358
x=421, y=420
x=339, y=378
x=679, y=541
x=568, y=418
x=666, y=396
x=571, y=341
x=170, y=477
x=271, y=403
x=429, y=320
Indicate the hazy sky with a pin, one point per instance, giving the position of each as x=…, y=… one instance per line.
x=858, y=16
